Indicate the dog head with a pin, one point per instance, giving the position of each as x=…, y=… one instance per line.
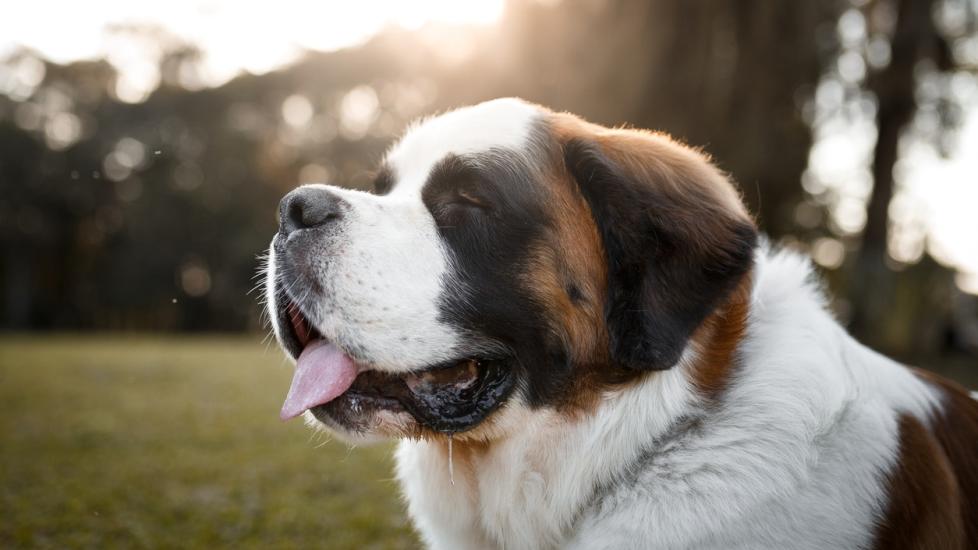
x=510, y=258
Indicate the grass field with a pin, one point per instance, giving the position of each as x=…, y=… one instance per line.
x=116, y=442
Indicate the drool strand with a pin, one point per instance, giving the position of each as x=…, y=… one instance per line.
x=451, y=465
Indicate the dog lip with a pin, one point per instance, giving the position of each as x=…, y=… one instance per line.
x=447, y=398
x=450, y=401
x=297, y=330
x=301, y=328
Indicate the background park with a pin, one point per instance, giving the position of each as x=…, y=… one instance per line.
x=144, y=148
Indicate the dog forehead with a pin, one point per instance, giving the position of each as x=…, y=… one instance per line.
x=501, y=123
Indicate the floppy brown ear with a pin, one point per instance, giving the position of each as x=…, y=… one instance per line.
x=675, y=233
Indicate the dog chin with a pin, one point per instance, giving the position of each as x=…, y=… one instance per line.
x=370, y=428
x=365, y=427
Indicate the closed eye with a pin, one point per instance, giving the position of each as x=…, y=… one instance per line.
x=466, y=198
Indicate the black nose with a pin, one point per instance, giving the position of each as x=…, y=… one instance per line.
x=307, y=207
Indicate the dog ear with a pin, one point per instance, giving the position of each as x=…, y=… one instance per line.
x=676, y=236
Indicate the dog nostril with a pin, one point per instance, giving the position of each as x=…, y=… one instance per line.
x=306, y=208
x=315, y=214
x=294, y=215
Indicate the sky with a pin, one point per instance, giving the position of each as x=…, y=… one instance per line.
x=946, y=189
x=254, y=36
x=936, y=198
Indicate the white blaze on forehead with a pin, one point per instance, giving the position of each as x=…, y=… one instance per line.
x=500, y=123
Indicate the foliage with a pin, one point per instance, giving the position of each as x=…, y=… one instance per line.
x=149, y=216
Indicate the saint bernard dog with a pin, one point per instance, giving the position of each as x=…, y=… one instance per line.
x=580, y=342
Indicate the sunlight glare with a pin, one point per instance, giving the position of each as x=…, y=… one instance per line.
x=233, y=36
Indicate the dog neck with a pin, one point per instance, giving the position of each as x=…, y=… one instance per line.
x=716, y=342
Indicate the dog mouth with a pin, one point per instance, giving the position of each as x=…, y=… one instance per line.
x=448, y=397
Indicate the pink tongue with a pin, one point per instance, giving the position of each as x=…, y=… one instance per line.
x=322, y=374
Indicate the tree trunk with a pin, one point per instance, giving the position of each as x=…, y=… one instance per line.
x=872, y=282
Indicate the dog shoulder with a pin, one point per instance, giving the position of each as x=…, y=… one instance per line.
x=933, y=485
x=810, y=425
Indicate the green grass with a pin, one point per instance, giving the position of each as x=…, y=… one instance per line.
x=176, y=443
x=110, y=442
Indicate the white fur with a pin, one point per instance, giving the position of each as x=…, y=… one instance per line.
x=498, y=124
x=271, y=291
x=795, y=457
x=382, y=272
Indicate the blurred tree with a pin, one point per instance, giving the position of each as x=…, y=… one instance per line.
x=914, y=38
x=731, y=76
x=149, y=215
x=727, y=76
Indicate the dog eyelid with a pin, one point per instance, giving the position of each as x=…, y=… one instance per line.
x=467, y=198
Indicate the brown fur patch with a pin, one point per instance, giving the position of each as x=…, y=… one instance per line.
x=656, y=157
x=934, y=487
x=923, y=511
x=954, y=433
x=717, y=341
x=957, y=431
x=679, y=171
x=570, y=276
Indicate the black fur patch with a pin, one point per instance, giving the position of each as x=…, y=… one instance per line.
x=671, y=259
x=491, y=212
